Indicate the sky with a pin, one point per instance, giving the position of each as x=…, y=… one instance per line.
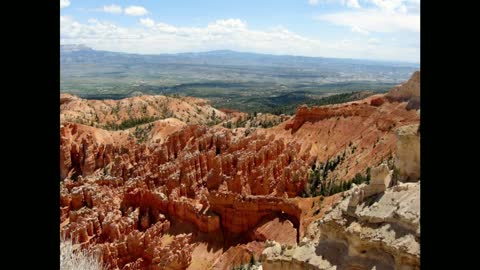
x=359, y=29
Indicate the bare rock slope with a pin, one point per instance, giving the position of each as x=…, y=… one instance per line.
x=112, y=113
x=178, y=192
x=383, y=233
x=375, y=226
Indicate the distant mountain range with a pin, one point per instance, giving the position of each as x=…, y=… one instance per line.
x=235, y=80
x=69, y=53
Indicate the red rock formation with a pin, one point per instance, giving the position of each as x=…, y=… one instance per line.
x=119, y=197
x=190, y=159
x=241, y=213
x=124, y=190
x=305, y=114
x=103, y=113
x=357, y=134
x=138, y=250
x=408, y=91
x=278, y=229
x=239, y=255
x=377, y=101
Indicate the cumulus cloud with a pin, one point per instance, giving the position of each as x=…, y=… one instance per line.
x=359, y=30
x=64, y=3
x=115, y=9
x=374, y=41
x=375, y=20
x=158, y=37
x=348, y=3
x=402, y=6
x=229, y=23
x=147, y=22
x=135, y=11
x=387, y=5
x=352, y=3
x=390, y=5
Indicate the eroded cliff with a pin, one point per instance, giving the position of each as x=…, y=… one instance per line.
x=176, y=194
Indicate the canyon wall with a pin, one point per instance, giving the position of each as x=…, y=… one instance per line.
x=376, y=225
x=185, y=191
x=118, y=196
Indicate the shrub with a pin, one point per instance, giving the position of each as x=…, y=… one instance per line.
x=72, y=258
x=377, y=102
x=130, y=123
x=252, y=260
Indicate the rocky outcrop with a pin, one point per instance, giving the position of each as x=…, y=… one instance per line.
x=116, y=190
x=278, y=228
x=314, y=114
x=377, y=101
x=182, y=208
x=67, y=98
x=408, y=91
x=381, y=179
x=241, y=213
x=111, y=113
x=149, y=249
x=354, y=136
x=192, y=157
x=407, y=155
x=382, y=231
x=184, y=189
x=286, y=257
x=124, y=236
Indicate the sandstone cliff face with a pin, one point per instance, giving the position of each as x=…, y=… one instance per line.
x=208, y=178
x=286, y=257
x=191, y=159
x=408, y=91
x=240, y=213
x=100, y=113
x=315, y=114
x=385, y=235
x=358, y=134
x=407, y=155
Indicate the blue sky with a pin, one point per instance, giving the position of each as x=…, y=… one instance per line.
x=363, y=29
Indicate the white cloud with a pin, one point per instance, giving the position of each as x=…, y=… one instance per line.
x=115, y=9
x=234, y=34
x=147, y=22
x=402, y=6
x=135, y=11
x=375, y=20
x=359, y=30
x=352, y=3
x=348, y=3
x=374, y=41
x=229, y=23
x=64, y=3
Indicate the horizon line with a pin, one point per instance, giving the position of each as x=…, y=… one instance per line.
x=250, y=52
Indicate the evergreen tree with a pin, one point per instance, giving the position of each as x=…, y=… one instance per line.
x=252, y=260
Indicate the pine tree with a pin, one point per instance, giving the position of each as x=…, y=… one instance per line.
x=213, y=115
x=368, y=175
